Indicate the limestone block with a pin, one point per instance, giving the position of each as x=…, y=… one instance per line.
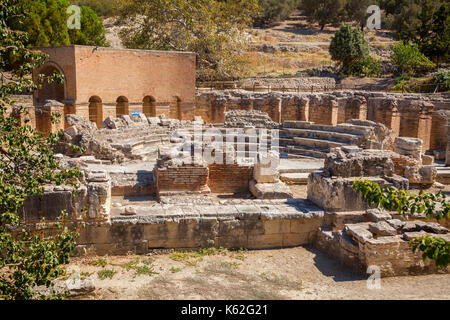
x=434, y=227
x=127, y=119
x=99, y=200
x=376, y=215
x=366, y=163
x=129, y=211
x=358, y=232
x=154, y=121
x=382, y=228
x=142, y=117
x=337, y=194
x=427, y=160
x=270, y=190
x=396, y=223
x=266, y=168
x=411, y=147
x=421, y=175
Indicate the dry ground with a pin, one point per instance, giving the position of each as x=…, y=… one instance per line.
x=291, y=273
x=288, y=273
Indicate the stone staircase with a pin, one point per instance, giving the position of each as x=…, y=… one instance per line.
x=302, y=139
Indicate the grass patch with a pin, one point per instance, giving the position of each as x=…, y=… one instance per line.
x=100, y=262
x=144, y=270
x=175, y=270
x=106, y=273
x=192, y=258
x=128, y=265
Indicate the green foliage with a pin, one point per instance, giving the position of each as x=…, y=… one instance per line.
x=437, y=249
x=410, y=59
x=92, y=32
x=45, y=22
x=348, y=45
x=351, y=52
x=106, y=273
x=211, y=28
x=425, y=23
x=275, y=10
x=27, y=259
x=432, y=205
x=365, y=67
x=323, y=11
x=356, y=10
x=403, y=201
x=442, y=78
x=104, y=8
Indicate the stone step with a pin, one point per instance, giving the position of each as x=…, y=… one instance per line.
x=300, y=178
x=316, y=143
x=319, y=134
x=443, y=175
x=304, y=151
x=296, y=166
x=342, y=128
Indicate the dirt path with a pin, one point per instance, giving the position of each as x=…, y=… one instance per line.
x=294, y=273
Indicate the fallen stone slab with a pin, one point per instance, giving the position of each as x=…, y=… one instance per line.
x=358, y=232
x=412, y=235
x=434, y=227
x=376, y=215
x=270, y=190
x=396, y=223
x=382, y=228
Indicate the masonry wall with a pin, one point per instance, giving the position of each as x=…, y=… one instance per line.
x=183, y=178
x=109, y=75
x=229, y=178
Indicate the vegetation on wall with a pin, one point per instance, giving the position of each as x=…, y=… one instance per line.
x=406, y=203
x=27, y=163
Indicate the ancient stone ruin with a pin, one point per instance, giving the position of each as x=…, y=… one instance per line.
x=169, y=166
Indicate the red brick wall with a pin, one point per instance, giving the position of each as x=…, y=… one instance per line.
x=229, y=178
x=186, y=178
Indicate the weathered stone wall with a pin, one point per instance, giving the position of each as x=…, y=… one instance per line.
x=408, y=115
x=266, y=224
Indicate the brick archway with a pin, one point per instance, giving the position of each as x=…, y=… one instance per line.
x=149, y=106
x=53, y=90
x=96, y=110
x=122, y=107
x=175, y=108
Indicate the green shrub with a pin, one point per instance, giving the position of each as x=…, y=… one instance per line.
x=442, y=78
x=437, y=249
x=366, y=67
x=351, y=52
x=92, y=32
x=410, y=59
x=45, y=22
x=104, y=8
x=405, y=203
